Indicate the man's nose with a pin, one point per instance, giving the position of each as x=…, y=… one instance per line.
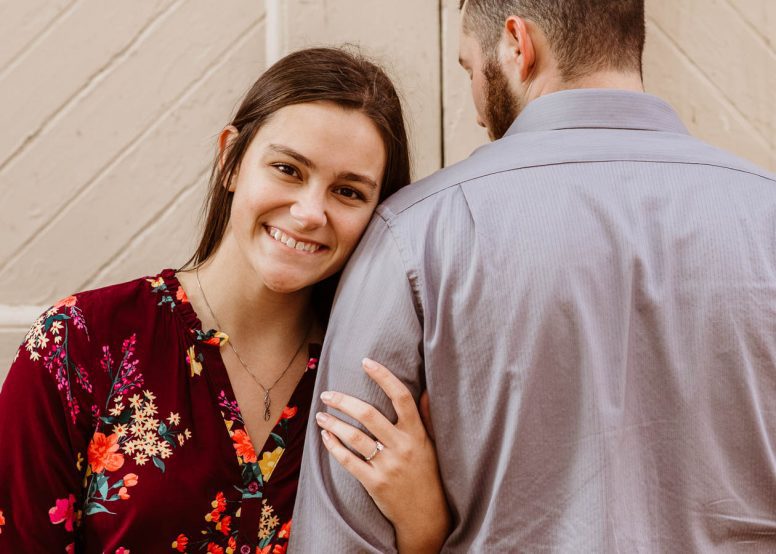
x=309, y=210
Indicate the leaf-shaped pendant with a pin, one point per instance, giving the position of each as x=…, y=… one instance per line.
x=267, y=404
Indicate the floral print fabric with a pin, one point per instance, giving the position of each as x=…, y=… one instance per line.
x=121, y=433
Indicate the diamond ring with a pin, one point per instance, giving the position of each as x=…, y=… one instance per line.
x=378, y=448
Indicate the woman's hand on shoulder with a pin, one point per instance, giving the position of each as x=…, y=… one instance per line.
x=400, y=472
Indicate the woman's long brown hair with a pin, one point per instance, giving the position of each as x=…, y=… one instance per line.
x=313, y=75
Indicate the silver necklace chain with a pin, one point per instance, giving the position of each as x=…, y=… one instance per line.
x=230, y=342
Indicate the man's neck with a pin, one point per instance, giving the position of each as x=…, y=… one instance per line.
x=610, y=79
x=601, y=79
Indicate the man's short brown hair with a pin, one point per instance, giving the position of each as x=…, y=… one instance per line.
x=585, y=35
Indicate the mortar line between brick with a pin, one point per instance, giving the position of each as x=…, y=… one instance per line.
x=124, y=151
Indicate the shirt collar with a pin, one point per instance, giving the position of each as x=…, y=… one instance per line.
x=597, y=109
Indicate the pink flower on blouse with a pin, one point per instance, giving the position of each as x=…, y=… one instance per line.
x=63, y=512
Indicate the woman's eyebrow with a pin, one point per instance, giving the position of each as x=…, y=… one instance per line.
x=357, y=177
x=280, y=149
x=346, y=176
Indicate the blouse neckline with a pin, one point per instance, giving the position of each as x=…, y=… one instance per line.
x=183, y=307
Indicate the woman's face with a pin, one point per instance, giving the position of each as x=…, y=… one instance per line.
x=305, y=192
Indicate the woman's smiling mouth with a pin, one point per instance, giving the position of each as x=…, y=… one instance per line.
x=292, y=243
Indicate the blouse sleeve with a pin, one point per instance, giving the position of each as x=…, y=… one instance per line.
x=46, y=411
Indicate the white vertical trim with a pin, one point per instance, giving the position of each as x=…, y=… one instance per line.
x=15, y=317
x=275, y=30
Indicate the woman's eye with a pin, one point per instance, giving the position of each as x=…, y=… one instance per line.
x=349, y=193
x=286, y=169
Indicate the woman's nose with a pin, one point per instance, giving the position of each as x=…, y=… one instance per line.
x=309, y=210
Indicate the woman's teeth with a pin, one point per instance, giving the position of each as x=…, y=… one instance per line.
x=280, y=236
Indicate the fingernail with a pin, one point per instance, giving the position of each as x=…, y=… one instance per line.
x=368, y=364
x=327, y=396
x=321, y=417
x=325, y=435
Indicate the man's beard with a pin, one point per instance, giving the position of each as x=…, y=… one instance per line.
x=501, y=106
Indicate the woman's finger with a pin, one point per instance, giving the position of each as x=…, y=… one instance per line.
x=368, y=416
x=354, y=438
x=424, y=406
x=400, y=395
x=354, y=465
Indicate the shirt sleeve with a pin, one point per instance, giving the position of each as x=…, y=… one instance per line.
x=375, y=315
x=45, y=410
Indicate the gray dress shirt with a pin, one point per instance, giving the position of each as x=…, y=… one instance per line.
x=591, y=303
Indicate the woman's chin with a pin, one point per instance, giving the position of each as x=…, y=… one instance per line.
x=287, y=284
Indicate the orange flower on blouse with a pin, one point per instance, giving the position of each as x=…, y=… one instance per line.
x=103, y=453
x=213, y=548
x=285, y=531
x=68, y=302
x=289, y=412
x=181, y=295
x=180, y=543
x=219, y=504
x=130, y=480
x=243, y=446
x=225, y=525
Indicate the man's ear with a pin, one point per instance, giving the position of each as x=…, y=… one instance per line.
x=225, y=140
x=519, y=46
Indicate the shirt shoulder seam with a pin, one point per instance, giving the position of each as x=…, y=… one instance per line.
x=404, y=256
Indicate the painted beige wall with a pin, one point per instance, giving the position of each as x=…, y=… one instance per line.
x=109, y=111
x=402, y=35
x=714, y=61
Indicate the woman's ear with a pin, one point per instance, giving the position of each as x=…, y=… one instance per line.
x=225, y=141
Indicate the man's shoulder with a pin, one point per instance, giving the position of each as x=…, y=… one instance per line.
x=546, y=149
x=428, y=188
x=428, y=191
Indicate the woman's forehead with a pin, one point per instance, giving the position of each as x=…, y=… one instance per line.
x=325, y=135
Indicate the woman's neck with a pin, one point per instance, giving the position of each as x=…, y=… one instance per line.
x=242, y=304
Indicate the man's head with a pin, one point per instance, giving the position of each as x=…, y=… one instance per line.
x=517, y=50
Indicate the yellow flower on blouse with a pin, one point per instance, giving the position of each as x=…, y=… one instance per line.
x=196, y=366
x=269, y=461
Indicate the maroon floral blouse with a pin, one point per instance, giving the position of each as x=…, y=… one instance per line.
x=120, y=432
